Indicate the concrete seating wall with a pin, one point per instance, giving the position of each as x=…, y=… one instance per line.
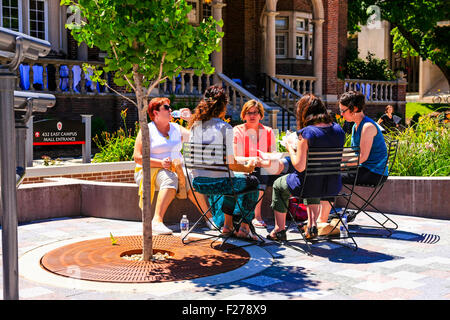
x=65, y=197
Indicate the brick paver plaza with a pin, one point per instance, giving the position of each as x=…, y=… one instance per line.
x=414, y=263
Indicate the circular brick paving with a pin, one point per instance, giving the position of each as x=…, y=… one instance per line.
x=99, y=260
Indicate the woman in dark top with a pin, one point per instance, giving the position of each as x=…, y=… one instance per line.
x=316, y=129
x=387, y=119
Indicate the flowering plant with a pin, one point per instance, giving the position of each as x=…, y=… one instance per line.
x=423, y=150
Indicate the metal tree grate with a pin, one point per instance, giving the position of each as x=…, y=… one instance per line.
x=99, y=260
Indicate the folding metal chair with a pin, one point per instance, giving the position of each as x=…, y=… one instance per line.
x=326, y=162
x=212, y=157
x=392, y=146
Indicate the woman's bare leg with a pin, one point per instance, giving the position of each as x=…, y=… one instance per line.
x=325, y=209
x=201, y=201
x=165, y=197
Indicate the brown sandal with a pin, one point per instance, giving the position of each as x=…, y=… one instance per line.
x=227, y=233
x=247, y=235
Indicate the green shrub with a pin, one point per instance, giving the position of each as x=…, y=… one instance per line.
x=424, y=149
x=117, y=146
x=98, y=126
x=370, y=69
x=279, y=137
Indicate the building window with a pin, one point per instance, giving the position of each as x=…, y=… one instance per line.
x=11, y=17
x=193, y=14
x=310, y=47
x=300, y=47
x=300, y=24
x=298, y=32
x=281, y=23
x=281, y=38
x=38, y=19
x=207, y=11
x=281, y=46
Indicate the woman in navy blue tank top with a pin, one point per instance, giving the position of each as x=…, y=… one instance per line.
x=316, y=129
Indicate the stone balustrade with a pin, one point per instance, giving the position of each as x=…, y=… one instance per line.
x=58, y=75
x=187, y=83
x=301, y=84
x=375, y=91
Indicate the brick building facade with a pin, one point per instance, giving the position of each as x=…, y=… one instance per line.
x=304, y=39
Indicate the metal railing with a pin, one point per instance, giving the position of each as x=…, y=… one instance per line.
x=238, y=96
x=285, y=97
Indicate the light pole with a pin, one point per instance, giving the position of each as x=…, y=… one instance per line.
x=15, y=47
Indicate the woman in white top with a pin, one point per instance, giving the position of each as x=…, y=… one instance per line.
x=166, y=140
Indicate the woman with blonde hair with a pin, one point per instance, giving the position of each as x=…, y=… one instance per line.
x=253, y=140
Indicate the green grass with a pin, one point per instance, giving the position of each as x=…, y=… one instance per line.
x=424, y=108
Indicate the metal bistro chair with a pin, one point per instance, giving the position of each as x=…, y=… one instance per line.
x=326, y=162
x=212, y=157
x=392, y=146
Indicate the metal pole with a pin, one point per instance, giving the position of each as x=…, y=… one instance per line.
x=8, y=185
x=29, y=143
x=86, y=147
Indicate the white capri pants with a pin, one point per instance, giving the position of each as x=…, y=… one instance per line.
x=165, y=179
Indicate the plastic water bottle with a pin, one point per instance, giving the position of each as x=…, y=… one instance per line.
x=176, y=113
x=343, y=230
x=184, y=226
x=185, y=114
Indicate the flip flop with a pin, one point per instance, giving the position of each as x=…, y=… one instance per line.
x=260, y=224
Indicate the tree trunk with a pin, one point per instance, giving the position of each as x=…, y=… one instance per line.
x=147, y=214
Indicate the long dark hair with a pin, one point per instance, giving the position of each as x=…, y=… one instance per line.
x=310, y=111
x=212, y=105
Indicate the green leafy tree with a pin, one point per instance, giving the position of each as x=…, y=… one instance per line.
x=146, y=41
x=417, y=26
